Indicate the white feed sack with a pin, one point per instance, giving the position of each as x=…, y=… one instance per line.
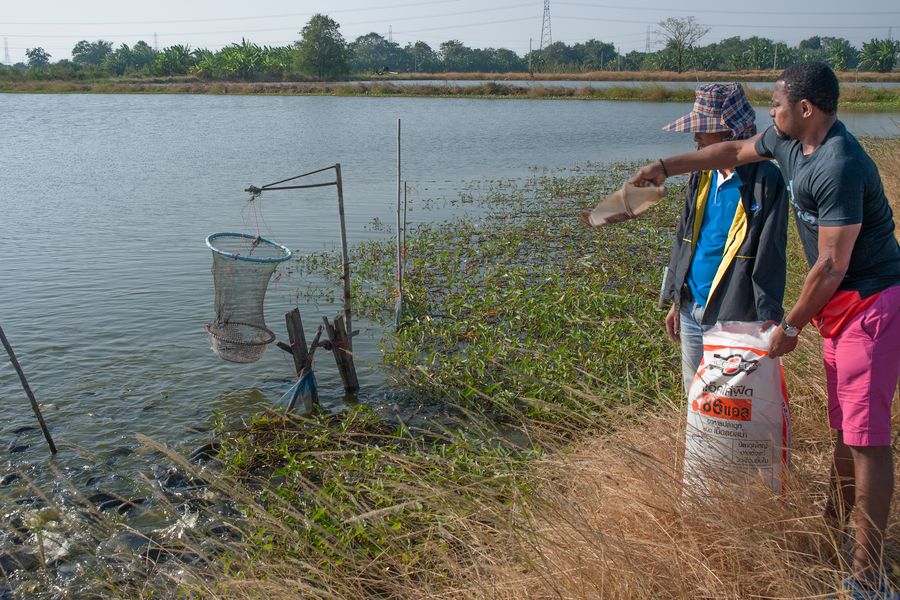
x=738, y=418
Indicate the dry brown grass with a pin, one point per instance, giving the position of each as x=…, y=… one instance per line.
x=611, y=523
x=886, y=153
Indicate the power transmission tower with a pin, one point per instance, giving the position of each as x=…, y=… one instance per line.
x=546, y=37
x=390, y=34
x=6, y=51
x=155, y=43
x=647, y=47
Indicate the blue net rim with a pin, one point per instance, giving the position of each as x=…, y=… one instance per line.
x=228, y=234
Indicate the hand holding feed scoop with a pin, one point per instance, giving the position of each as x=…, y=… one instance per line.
x=623, y=204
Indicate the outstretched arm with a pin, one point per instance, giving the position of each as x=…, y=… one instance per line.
x=724, y=155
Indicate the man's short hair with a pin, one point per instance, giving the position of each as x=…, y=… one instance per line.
x=813, y=81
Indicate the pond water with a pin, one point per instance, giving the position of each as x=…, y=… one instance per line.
x=105, y=282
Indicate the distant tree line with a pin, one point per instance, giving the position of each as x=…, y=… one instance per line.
x=322, y=53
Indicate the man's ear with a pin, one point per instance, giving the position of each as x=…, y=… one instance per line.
x=806, y=109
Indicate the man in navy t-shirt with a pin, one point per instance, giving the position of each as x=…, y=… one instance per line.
x=851, y=294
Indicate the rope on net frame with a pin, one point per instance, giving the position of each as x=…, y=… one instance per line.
x=242, y=267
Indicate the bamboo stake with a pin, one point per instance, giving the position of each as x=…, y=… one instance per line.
x=399, y=308
x=343, y=358
x=346, y=257
x=403, y=249
x=298, y=349
x=28, y=392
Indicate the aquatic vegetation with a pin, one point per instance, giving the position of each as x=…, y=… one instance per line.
x=508, y=308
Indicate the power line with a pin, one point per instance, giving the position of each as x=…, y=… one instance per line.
x=479, y=24
x=730, y=25
x=270, y=29
x=729, y=11
x=215, y=19
x=522, y=46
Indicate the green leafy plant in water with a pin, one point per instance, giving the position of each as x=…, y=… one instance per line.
x=512, y=307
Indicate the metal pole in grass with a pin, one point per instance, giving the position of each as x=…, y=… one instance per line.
x=34, y=404
x=399, y=308
x=403, y=241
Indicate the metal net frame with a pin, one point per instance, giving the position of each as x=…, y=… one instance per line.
x=243, y=265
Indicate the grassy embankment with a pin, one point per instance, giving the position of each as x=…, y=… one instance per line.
x=856, y=98
x=686, y=76
x=555, y=472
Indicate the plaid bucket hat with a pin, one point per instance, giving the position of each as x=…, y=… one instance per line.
x=719, y=107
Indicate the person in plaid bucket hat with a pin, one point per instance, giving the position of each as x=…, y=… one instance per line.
x=750, y=277
x=719, y=108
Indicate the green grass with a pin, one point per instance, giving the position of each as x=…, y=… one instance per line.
x=506, y=311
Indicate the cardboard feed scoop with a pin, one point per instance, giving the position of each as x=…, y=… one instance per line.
x=624, y=204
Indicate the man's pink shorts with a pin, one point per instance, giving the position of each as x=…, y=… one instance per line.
x=862, y=366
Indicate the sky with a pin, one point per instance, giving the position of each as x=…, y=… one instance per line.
x=515, y=24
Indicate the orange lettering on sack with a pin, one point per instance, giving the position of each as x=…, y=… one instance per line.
x=733, y=409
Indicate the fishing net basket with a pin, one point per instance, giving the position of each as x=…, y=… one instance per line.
x=242, y=267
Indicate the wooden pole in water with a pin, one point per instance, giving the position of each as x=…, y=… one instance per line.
x=340, y=338
x=399, y=309
x=298, y=348
x=345, y=255
x=403, y=243
x=28, y=392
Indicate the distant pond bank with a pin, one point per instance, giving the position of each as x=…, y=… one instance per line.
x=882, y=96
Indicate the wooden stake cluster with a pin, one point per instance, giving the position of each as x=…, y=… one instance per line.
x=303, y=357
x=338, y=343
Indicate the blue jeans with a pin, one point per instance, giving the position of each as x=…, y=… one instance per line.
x=691, y=333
